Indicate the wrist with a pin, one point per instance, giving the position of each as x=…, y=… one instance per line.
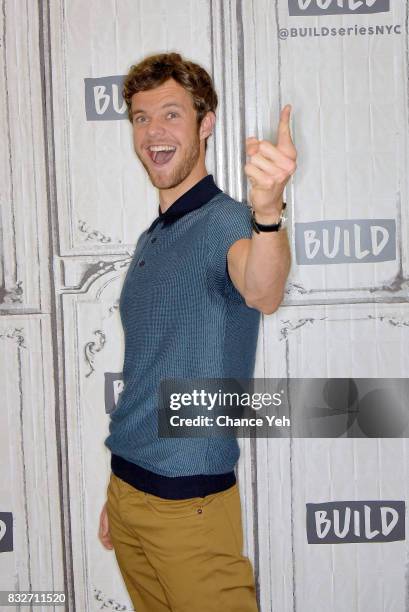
x=271, y=215
x=262, y=223
x=267, y=218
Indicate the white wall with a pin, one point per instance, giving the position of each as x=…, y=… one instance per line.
x=73, y=202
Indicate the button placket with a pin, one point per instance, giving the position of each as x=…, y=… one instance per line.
x=140, y=262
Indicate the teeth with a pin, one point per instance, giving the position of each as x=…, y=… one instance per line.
x=162, y=148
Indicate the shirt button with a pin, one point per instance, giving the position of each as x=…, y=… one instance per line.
x=153, y=239
x=199, y=510
x=141, y=263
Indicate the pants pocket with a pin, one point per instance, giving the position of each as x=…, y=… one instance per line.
x=173, y=508
x=224, y=523
x=232, y=510
x=113, y=489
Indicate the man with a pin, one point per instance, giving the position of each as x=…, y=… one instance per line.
x=190, y=306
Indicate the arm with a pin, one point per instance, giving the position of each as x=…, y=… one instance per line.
x=258, y=267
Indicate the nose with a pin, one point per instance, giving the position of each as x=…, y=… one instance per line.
x=155, y=127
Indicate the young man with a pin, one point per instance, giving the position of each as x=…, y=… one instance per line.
x=190, y=307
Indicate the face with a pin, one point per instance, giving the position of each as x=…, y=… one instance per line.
x=167, y=138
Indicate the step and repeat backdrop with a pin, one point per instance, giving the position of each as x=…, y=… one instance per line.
x=324, y=518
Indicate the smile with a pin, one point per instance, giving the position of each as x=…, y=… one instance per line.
x=161, y=154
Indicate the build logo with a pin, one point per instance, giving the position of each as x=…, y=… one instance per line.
x=344, y=522
x=336, y=7
x=6, y=532
x=103, y=98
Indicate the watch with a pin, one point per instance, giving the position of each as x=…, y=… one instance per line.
x=273, y=227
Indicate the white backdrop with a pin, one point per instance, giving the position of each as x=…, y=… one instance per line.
x=74, y=200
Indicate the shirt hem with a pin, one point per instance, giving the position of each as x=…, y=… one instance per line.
x=170, y=487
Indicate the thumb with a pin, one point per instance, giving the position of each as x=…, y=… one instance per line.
x=284, y=140
x=103, y=531
x=104, y=525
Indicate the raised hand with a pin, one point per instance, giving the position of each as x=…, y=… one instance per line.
x=269, y=168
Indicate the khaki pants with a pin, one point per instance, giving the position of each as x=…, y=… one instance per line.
x=181, y=555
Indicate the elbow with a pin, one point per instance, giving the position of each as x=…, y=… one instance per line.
x=269, y=309
x=264, y=306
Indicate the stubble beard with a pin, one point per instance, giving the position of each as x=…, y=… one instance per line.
x=181, y=170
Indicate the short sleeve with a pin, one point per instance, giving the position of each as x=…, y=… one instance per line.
x=229, y=221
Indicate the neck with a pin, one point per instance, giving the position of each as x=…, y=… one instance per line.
x=168, y=196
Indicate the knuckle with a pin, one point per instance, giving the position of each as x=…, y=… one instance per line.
x=263, y=148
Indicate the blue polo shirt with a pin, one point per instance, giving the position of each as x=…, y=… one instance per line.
x=182, y=318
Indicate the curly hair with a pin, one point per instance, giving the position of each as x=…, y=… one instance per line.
x=156, y=69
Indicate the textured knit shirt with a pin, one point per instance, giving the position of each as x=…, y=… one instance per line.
x=182, y=318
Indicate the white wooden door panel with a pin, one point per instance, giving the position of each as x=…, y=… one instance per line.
x=29, y=483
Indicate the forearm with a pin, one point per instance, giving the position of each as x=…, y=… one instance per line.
x=266, y=270
x=263, y=271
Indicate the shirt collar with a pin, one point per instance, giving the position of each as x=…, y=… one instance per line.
x=195, y=197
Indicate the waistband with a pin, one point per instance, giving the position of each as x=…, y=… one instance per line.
x=170, y=487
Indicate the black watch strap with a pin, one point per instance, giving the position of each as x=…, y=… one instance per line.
x=273, y=227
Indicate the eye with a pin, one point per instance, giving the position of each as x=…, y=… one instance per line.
x=139, y=119
x=173, y=115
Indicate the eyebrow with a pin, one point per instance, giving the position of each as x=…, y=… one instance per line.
x=166, y=105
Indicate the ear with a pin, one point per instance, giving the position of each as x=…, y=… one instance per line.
x=207, y=125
